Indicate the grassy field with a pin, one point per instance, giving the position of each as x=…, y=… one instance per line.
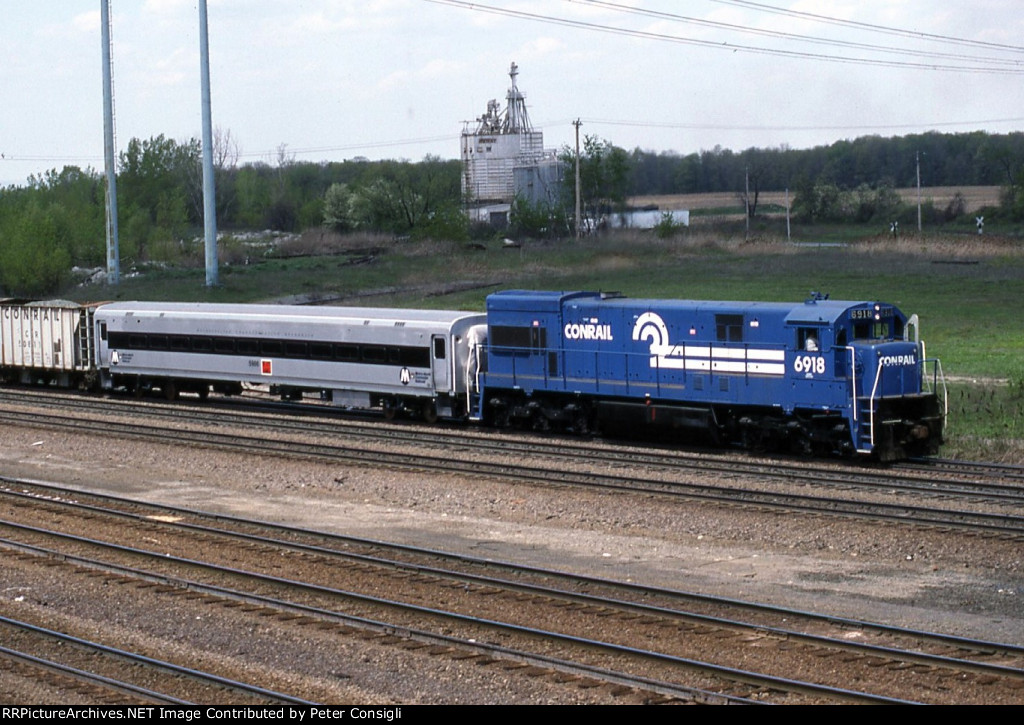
x=966, y=289
x=975, y=197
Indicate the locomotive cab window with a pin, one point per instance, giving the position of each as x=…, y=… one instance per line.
x=439, y=348
x=808, y=339
x=871, y=331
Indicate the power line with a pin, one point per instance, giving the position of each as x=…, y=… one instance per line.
x=782, y=35
x=749, y=4
x=747, y=127
x=355, y=147
x=720, y=45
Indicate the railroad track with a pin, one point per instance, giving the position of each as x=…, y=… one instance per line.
x=474, y=602
x=969, y=481
x=110, y=674
x=988, y=512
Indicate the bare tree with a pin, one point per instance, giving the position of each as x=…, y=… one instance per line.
x=226, y=150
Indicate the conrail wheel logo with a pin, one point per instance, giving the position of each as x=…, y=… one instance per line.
x=649, y=326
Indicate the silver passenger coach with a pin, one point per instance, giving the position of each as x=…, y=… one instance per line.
x=394, y=359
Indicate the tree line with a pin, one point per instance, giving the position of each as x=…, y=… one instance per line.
x=967, y=159
x=57, y=219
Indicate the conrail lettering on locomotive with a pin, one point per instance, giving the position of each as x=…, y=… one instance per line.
x=575, y=331
x=890, y=360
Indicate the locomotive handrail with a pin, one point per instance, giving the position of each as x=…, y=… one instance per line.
x=853, y=379
x=938, y=377
x=871, y=401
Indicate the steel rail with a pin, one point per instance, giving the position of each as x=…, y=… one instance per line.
x=905, y=655
x=562, y=449
x=487, y=563
x=728, y=673
x=197, y=675
x=671, y=459
x=1003, y=524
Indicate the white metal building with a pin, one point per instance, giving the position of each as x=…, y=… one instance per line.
x=504, y=157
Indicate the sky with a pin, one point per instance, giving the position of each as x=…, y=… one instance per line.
x=327, y=80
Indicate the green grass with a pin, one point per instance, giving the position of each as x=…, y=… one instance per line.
x=966, y=291
x=985, y=421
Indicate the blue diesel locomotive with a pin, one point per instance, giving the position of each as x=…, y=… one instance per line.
x=823, y=376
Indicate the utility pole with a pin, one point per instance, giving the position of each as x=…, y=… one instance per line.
x=789, y=237
x=209, y=193
x=579, y=228
x=918, y=155
x=746, y=182
x=113, y=251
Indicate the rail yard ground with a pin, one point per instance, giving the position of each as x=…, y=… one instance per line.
x=919, y=577
x=966, y=288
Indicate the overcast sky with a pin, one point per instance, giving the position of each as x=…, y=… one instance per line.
x=335, y=79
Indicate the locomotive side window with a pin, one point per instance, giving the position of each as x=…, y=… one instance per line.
x=729, y=328
x=439, y=349
x=519, y=338
x=509, y=336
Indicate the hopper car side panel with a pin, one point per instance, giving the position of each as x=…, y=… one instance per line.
x=47, y=342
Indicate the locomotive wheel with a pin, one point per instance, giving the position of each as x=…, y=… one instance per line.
x=499, y=416
x=390, y=409
x=581, y=421
x=429, y=411
x=170, y=390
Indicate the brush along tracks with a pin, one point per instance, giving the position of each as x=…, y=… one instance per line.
x=980, y=501
x=639, y=643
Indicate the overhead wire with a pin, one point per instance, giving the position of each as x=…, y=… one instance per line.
x=872, y=27
x=783, y=35
x=722, y=45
